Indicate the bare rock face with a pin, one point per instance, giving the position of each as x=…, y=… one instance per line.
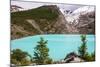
x=86, y=23
x=87, y=26
x=83, y=20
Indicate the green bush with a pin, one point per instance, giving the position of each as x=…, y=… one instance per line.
x=19, y=57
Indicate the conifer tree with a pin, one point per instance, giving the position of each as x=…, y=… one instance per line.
x=41, y=55
x=83, y=48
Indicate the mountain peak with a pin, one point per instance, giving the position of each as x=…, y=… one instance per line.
x=84, y=9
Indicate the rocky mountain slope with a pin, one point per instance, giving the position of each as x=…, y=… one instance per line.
x=49, y=19
x=83, y=19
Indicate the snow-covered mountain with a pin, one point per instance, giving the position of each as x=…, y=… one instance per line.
x=84, y=9
x=82, y=18
x=74, y=16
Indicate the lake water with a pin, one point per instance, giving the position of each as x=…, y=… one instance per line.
x=59, y=45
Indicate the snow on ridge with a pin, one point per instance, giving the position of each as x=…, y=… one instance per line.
x=74, y=16
x=84, y=9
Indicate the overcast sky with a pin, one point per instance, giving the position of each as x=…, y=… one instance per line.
x=30, y=5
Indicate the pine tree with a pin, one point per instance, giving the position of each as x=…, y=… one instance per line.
x=83, y=51
x=83, y=48
x=41, y=55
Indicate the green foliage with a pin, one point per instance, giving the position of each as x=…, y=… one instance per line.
x=13, y=61
x=41, y=55
x=93, y=56
x=19, y=57
x=25, y=62
x=49, y=61
x=19, y=33
x=89, y=57
x=83, y=51
x=38, y=13
x=83, y=48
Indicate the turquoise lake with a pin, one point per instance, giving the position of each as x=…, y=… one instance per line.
x=59, y=45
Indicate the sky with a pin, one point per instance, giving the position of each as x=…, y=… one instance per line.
x=30, y=5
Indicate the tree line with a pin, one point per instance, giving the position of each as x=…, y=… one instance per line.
x=41, y=54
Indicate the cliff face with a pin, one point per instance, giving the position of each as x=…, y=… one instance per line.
x=45, y=20
x=86, y=24
x=85, y=20
x=82, y=19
